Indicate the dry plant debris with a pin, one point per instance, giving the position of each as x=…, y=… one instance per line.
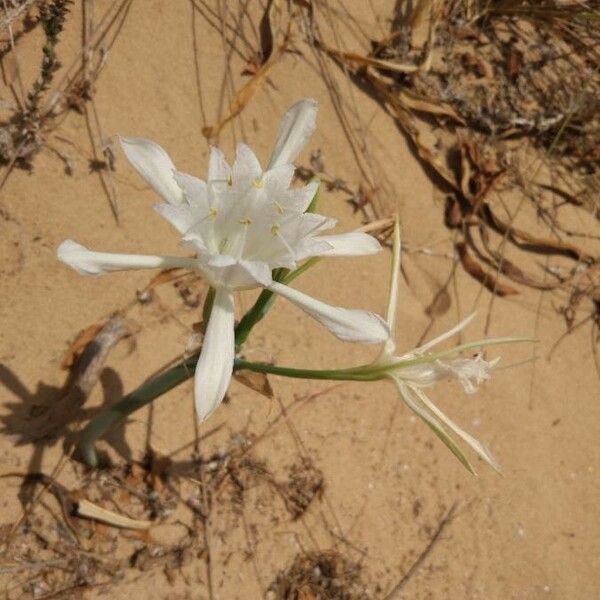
x=320, y=576
x=500, y=103
x=494, y=81
x=34, y=116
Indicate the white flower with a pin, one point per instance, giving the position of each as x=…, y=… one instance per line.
x=420, y=368
x=241, y=223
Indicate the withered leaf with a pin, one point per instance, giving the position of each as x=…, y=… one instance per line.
x=255, y=381
x=527, y=241
x=473, y=268
x=247, y=91
x=80, y=343
x=165, y=276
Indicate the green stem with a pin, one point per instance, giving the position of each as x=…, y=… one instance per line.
x=146, y=393
x=258, y=310
x=357, y=374
x=176, y=375
x=208, y=304
x=185, y=369
x=253, y=316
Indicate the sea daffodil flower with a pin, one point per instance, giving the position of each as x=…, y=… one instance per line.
x=421, y=368
x=242, y=223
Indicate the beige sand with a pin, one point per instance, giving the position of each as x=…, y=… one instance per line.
x=530, y=534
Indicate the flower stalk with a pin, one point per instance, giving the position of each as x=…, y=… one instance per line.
x=185, y=369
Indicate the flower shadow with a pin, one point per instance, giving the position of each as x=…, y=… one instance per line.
x=51, y=415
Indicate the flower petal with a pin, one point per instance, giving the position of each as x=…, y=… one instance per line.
x=246, y=166
x=354, y=243
x=390, y=316
x=299, y=199
x=475, y=444
x=218, y=168
x=444, y=336
x=417, y=406
x=346, y=324
x=181, y=216
x=278, y=179
x=239, y=274
x=87, y=262
x=154, y=165
x=297, y=125
x=215, y=365
x=195, y=191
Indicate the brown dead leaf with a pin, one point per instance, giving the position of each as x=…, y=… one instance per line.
x=255, y=381
x=473, y=268
x=407, y=122
x=453, y=216
x=247, y=91
x=481, y=68
x=499, y=262
x=431, y=106
x=527, y=241
x=466, y=174
x=369, y=61
x=514, y=63
x=305, y=594
x=165, y=276
x=421, y=10
x=440, y=303
x=80, y=343
x=267, y=30
x=515, y=273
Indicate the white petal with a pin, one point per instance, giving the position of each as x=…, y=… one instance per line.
x=246, y=166
x=297, y=125
x=195, y=191
x=310, y=247
x=417, y=406
x=237, y=274
x=346, y=324
x=181, y=216
x=392, y=305
x=354, y=243
x=444, y=336
x=154, y=165
x=299, y=199
x=277, y=180
x=260, y=272
x=471, y=372
x=215, y=365
x=218, y=169
x=87, y=262
x=477, y=446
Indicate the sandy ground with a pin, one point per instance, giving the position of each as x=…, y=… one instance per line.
x=388, y=482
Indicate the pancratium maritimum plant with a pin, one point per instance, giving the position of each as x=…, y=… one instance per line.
x=421, y=368
x=242, y=223
x=414, y=371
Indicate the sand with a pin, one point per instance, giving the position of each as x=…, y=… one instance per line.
x=387, y=482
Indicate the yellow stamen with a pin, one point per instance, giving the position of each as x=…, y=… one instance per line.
x=274, y=229
x=278, y=207
x=245, y=221
x=258, y=183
